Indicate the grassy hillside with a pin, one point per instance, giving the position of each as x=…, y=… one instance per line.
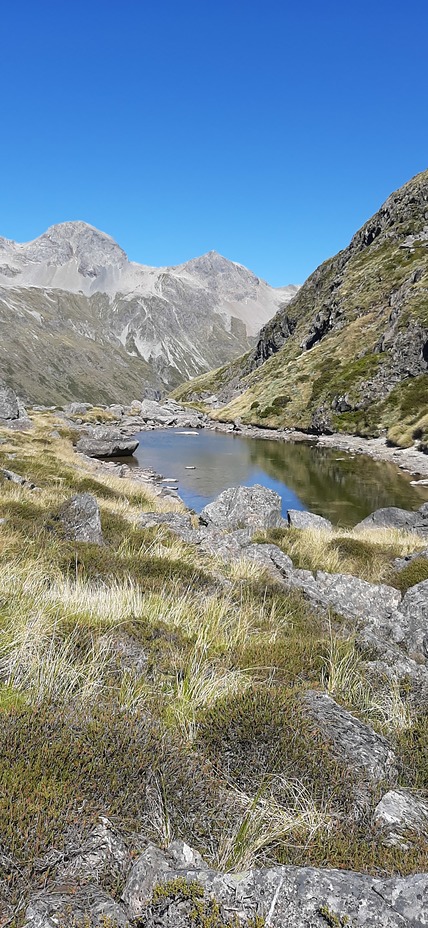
x=350, y=352
x=145, y=681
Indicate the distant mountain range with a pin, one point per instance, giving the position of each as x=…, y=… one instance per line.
x=350, y=351
x=80, y=321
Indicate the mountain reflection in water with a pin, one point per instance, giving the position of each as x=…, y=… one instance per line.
x=339, y=486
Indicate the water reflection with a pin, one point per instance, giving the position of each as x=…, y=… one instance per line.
x=340, y=486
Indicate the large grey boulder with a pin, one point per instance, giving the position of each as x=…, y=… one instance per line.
x=401, y=816
x=239, y=507
x=80, y=519
x=88, y=906
x=285, y=897
x=300, y=519
x=9, y=406
x=104, y=442
x=352, y=740
x=392, y=517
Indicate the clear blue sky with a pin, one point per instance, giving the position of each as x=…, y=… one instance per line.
x=269, y=131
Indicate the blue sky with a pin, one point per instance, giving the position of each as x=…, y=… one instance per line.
x=269, y=131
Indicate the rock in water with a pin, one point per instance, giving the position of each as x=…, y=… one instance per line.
x=104, y=442
x=239, y=507
x=80, y=518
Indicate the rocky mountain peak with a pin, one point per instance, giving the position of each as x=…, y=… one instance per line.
x=67, y=240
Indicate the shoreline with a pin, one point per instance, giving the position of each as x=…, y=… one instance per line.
x=408, y=459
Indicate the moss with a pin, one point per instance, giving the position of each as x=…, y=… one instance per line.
x=333, y=919
x=415, y=572
x=201, y=912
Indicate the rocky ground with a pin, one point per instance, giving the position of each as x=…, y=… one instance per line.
x=212, y=721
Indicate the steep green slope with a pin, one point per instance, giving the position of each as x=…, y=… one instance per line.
x=350, y=352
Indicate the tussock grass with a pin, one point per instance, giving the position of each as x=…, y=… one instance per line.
x=264, y=823
x=366, y=553
x=345, y=677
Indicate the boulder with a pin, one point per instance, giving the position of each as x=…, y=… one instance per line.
x=404, y=519
x=104, y=442
x=298, y=518
x=9, y=404
x=170, y=413
x=401, y=815
x=80, y=519
x=88, y=907
x=283, y=896
x=240, y=507
x=399, y=563
x=354, y=742
x=117, y=410
x=353, y=598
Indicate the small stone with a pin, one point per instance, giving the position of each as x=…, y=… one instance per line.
x=400, y=815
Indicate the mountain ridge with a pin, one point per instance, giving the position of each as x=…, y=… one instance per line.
x=74, y=293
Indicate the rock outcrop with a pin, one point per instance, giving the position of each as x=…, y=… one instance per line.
x=354, y=742
x=401, y=816
x=279, y=897
x=9, y=408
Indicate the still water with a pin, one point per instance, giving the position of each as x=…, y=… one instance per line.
x=342, y=487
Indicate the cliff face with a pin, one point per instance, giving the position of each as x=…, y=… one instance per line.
x=350, y=352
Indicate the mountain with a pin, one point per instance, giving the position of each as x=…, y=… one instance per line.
x=350, y=351
x=80, y=321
